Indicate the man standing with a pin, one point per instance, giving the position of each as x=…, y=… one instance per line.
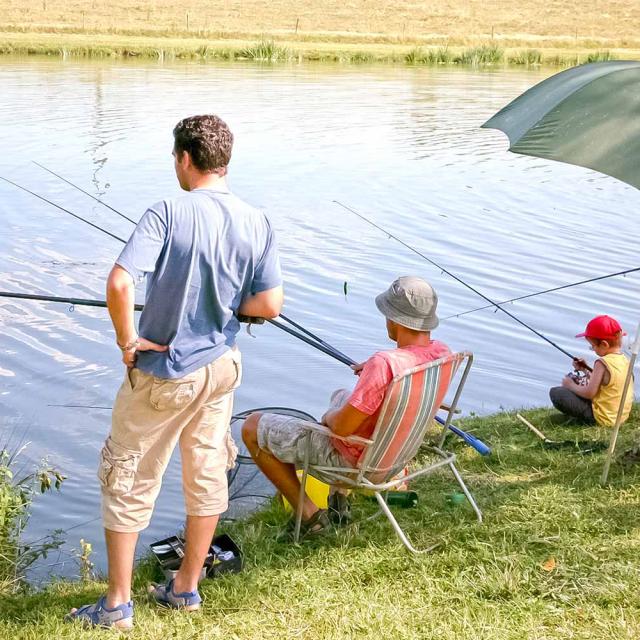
x=207, y=257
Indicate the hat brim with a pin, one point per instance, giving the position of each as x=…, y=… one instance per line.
x=427, y=323
x=585, y=335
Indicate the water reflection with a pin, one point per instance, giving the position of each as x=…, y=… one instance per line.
x=403, y=146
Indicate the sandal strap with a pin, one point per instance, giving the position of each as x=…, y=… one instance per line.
x=98, y=615
x=165, y=595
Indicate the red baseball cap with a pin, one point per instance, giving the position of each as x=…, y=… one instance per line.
x=602, y=328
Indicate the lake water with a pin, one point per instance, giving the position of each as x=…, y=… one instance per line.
x=400, y=145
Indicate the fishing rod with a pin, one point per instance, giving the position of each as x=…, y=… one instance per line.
x=320, y=346
x=75, y=215
x=309, y=338
x=317, y=342
x=539, y=293
x=74, y=302
x=334, y=352
x=75, y=186
x=347, y=359
x=457, y=278
x=343, y=357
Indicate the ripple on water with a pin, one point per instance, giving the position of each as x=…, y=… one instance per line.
x=402, y=146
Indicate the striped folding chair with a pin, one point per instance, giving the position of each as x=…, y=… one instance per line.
x=409, y=407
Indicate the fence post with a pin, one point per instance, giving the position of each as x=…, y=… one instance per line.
x=297, y=23
x=187, y=16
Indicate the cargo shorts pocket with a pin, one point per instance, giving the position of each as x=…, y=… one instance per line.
x=236, y=359
x=171, y=394
x=118, y=466
x=232, y=451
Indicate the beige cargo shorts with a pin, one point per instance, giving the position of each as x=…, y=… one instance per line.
x=150, y=417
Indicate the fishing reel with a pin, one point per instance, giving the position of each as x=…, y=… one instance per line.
x=581, y=378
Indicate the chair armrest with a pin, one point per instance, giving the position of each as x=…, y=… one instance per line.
x=320, y=428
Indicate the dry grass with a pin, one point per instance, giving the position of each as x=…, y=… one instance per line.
x=462, y=22
x=413, y=32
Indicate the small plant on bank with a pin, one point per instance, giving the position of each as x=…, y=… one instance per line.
x=600, y=56
x=529, y=57
x=16, y=496
x=417, y=55
x=483, y=55
x=265, y=51
x=85, y=564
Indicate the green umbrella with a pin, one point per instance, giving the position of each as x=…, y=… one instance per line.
x=587, y=115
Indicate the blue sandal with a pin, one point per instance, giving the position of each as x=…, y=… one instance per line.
x=164, y=595
x=98, y=615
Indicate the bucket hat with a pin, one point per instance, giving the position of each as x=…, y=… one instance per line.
x=411, y=302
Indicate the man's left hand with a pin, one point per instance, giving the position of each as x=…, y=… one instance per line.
x=142, y=344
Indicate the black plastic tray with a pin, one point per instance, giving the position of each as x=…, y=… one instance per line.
x=170, y=551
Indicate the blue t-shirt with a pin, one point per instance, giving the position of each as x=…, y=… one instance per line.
x=202, y=253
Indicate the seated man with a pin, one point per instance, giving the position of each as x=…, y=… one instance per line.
x=277, y=442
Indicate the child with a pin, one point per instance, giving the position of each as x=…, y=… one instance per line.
x=598, y=399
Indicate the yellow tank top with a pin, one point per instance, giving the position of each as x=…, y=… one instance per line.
x=607, y=400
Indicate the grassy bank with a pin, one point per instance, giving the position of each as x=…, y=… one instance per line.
x=556, y=558
x=456, y=32
x=196, y=48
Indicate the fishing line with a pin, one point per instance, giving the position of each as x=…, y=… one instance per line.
x=75, y=186
x=539, y=293
x=457, y=278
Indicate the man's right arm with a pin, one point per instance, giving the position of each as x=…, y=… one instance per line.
x=264, y=304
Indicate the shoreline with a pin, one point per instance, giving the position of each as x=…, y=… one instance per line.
x=498, y=52
x=557, y=554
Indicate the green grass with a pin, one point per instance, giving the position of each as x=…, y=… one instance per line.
x=528, y=57
x=600, y=56
x=483, y=55
x=265, y=51
x=557, y=558
x=198, y=47
x=440, y=55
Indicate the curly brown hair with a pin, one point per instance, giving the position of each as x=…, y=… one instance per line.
x=207, y=139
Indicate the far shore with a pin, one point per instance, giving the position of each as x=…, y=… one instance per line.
x=492, y=52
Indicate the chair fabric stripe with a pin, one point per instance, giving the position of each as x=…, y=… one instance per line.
x=410, y=404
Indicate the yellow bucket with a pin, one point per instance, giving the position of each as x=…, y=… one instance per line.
x=317, y=490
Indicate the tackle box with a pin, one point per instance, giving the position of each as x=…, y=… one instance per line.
x=224, y=556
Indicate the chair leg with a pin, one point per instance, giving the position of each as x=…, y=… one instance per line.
x=466, y=491
x=394, y=523
x=303, y=488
